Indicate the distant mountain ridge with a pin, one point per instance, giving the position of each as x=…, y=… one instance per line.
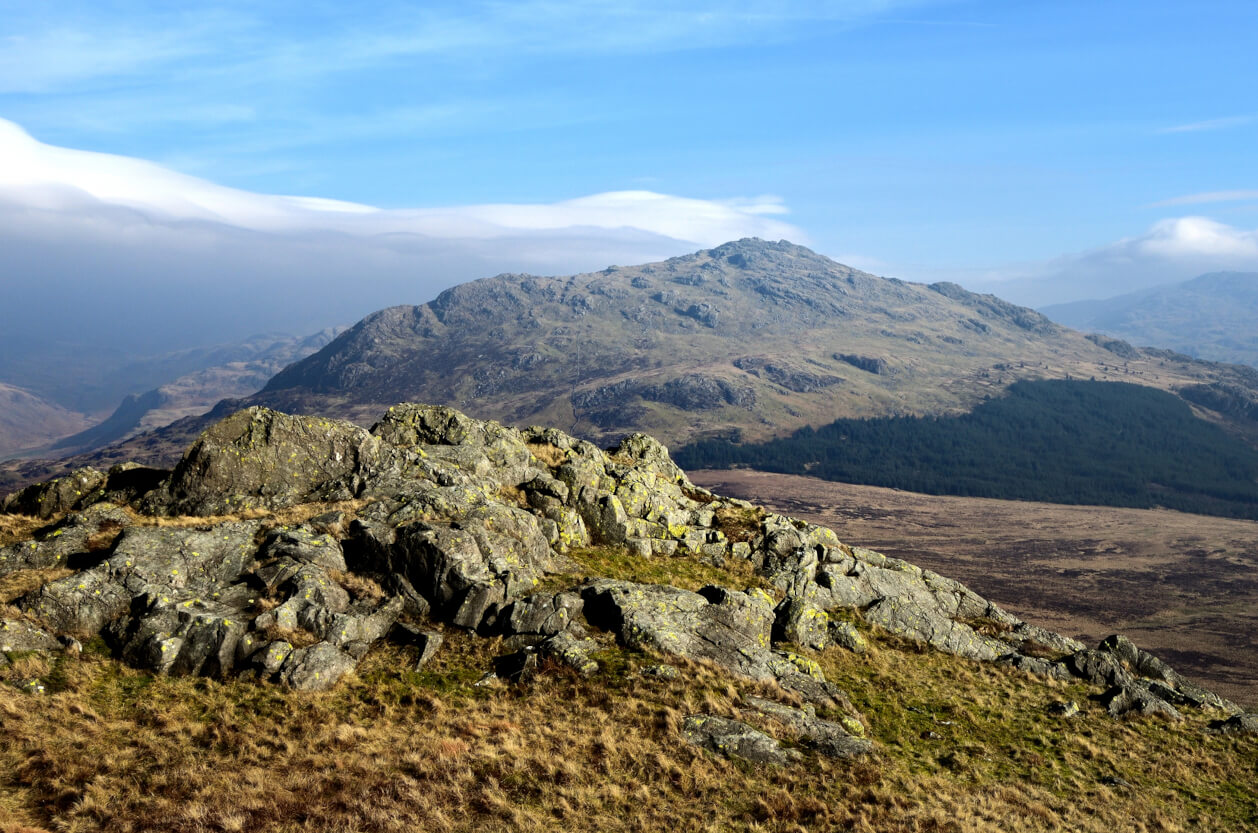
x=1214, y=316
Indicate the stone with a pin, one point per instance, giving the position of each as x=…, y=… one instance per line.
x=832, y=739
x=845, y=635
x=262, y=458
x=316, y=668
x=734, y=739
x=1067, y=709
x=18, y=635
x=801, y=622
x=1237, y=724
x=1122, y=700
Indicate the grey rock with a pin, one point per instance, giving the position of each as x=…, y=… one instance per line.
x=845, y=635
x=1067, y=709
x=1122, y=700
x=262, y=458
x=664, y=672
x=18, y=635
x=1099, y=668
x=802, y=622
x=1036, y=665
x=836, y=740
x=1237, y=724
x=727, y=627
x=735, y=740
x=572, y=650
x=317, y=668
x=545, y=614
x=76, y=490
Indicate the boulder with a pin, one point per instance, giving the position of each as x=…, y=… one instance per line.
x=835, y=740
x=259, y=458
x=18, y=635
x=735, y=740
x=317, y=668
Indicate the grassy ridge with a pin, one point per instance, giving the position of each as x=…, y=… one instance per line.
x=1080, y=442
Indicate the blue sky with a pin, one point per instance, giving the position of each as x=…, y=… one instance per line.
x=1045, y=148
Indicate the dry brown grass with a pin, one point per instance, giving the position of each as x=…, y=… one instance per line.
x=359, y=586
x=14, y=528
x=551, y=455
x=287, y=516
x=390, y=749
x=21, y=582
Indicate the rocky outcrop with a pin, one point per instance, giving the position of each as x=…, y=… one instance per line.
x=434, y=520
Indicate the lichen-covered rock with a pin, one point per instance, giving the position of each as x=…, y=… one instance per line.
x=20, y=635
x=730, y=628
x=77, y=538
x=54, y=497
x=803, y=623
x=262, y=458
x=1126, y=699
x=845, y=635
x=542, y=614
x=734, y=739
x=1237, y=724
x=316, y=668
x=835, y=740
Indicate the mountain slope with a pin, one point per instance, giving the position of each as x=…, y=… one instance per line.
x=26, y=420
x=752, y=339
x=1212, y=316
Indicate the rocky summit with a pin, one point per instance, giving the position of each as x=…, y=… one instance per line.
x=289, y=550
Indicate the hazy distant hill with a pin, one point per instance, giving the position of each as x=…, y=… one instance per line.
x=27, y=420
x=1214, y=316
x=226, y=371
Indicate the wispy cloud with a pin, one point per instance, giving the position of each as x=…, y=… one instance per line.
x=1174, y=249
x=1208, y=197
x=1210, y=124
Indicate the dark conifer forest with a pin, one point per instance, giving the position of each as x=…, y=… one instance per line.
x=1078, y=442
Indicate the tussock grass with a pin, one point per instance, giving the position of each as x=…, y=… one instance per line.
x=394, y=749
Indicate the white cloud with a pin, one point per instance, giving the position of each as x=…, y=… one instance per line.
x=1171, y=250
x=95, y=246
x=1208, y=197
x=1209, y=124
x=55, y=178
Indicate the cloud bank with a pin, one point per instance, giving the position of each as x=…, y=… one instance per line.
x=103, y=249
x=1171, y=250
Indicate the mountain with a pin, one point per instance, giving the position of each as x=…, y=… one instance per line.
x=443, y=623
x=751, y=340
x=192, y=382
x=1211, y=317
x=747, y=342
x=27, y=420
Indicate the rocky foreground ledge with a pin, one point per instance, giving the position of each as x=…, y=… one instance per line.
x=281, y=548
